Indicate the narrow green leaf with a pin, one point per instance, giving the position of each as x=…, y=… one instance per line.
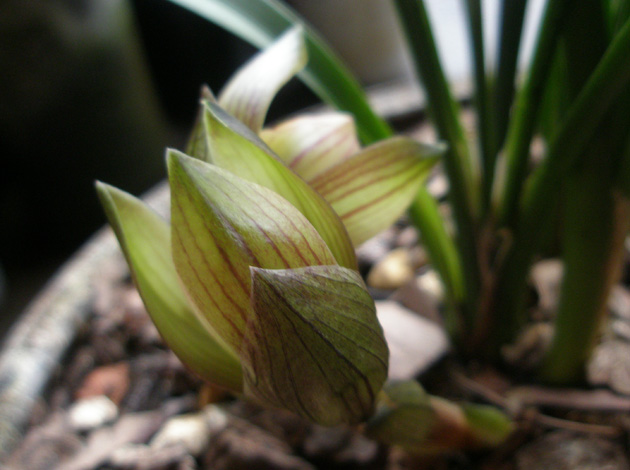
x=235, y=148
x=260, y=21
x=484, y=118
x=425, y=215
x=314, y=345
x=222, y=225
x=145, y=240
x=464, y=194
x=512, y=16
x=443, y=109
x=375, y=187
x=602, y=91
x=525, y=114
x=249, y=92
x=311, y=143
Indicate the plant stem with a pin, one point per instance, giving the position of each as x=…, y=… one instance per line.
x=463, y=193
x=512, y=15
x=606, y=84
x=596, y=224
x=484, y=113
x=425, y=215
x=593, y=231
x=528, y=101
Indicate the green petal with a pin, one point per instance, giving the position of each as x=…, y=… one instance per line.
x=145, y=241
x=376, y=186
x=235, y=148
x=197, y=145
x=222, y=225
x=249, y=92
x=314, y=345
x=310, y=144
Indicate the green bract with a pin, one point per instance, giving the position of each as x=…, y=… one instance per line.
x=255, y=285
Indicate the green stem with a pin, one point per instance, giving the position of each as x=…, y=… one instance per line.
x=593, y=232
x=484, y=117
x=512, y=15
x=425, y=215
x=592, y=250
x=528, y=102
x=445, y=114
x=606, y=84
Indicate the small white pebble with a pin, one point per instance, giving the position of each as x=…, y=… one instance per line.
x=193, y=431
x=431, y=283
x=393, y=271
x=90, y=413
x=216, y=418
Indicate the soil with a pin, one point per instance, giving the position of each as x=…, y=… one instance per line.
x=121, y=400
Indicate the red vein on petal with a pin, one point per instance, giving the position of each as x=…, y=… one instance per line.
x=378, y=199
x=348, y=171
x=288, y=239
x=364, y=325
x=203, y=286
x=325, y=340
x=335, y=351
x=378, y=178
x=263, y=231
x=208, y=267
x=332, y=139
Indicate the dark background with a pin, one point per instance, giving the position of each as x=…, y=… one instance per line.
x=94, y=90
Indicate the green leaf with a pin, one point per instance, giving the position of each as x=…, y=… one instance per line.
x=314, y=345
x=222, y=225
x=145, y=240
x=249, y=92
x=403, y=417
x=237, y=149
x=260, y=21
x=459, y=164
x=312, y=143
x=427, y=218
x=375, y=187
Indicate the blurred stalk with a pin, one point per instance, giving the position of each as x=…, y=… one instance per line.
x=426, y=216
x=604, y=87
x=444, y=111
x=512, y=16
x=595, y=222
x=525, y=114
x=487, y=150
